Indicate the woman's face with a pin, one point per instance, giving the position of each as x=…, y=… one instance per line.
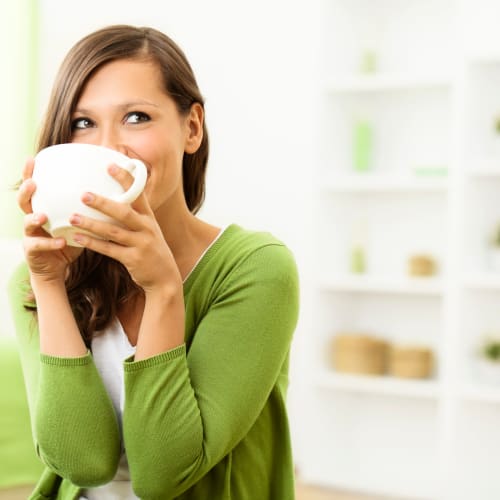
x=124, y=107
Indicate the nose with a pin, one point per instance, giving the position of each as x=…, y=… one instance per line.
x=111, y=138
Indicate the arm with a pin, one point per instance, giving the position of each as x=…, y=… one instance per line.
x=59, y=334
x=67, y=399
x=138, y=243
x=74, y=424
x=184, y=413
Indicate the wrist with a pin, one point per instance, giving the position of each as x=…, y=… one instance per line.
x=163, y=321
x=40, y=282
x=165, y=293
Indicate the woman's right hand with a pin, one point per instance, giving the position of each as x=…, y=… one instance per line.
x=47, y=257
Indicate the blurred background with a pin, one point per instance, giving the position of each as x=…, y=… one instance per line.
x=366, y=135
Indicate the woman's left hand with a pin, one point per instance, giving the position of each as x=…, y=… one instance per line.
x=137, y=242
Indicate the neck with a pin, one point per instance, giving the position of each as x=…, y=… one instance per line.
x=186, y=235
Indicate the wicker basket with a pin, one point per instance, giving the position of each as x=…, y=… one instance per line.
x=410, y=362
x=421, y=265
x=359, y=353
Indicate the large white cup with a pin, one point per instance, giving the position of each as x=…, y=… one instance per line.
x=62, y=174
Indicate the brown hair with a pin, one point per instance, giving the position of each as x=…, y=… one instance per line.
x=97, y=286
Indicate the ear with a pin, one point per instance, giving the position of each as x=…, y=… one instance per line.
x=194, y=128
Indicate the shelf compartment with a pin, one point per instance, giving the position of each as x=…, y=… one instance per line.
x=353, y=438
x=378, y=385
x=390, y=229
x=408, y=129
x=475, y=453
x=482, y=102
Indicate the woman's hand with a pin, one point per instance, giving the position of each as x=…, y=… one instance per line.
x=48, y=258
x=137, y=242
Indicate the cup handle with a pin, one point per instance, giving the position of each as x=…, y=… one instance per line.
x=139, y=172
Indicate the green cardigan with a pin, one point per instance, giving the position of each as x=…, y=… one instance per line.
x=204, y=421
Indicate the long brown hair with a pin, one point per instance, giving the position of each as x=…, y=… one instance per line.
x=98, y=286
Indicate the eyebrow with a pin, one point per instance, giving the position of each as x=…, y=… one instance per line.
x=122, y=107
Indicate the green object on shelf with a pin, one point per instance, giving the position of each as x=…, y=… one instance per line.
x=368, y=63
x=431, y=170
x=358, y=261
x=362, y=146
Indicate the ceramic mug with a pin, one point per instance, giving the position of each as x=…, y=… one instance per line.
x=62, y=174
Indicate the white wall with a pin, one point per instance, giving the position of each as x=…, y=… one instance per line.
x=256, y=64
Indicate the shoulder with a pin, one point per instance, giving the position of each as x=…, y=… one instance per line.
x=248, y=262
x=240, y=258
x=257, y=250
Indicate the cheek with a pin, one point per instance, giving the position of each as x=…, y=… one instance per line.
x=157, y=150
x=165, y=169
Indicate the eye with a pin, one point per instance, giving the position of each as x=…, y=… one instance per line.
x=81, y=123
x=137, y=117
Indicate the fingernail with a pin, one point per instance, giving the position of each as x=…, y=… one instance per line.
x=88, y=198
x=78, y=238
x=113, y=169
x=75, y=219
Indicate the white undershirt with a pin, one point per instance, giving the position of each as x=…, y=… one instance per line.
x=109, y=350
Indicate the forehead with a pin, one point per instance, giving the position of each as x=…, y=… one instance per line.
x=124, y=77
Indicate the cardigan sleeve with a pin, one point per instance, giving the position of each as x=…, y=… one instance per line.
x=184, y=413
x=73, y=421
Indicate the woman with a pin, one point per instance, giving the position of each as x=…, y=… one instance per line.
x=157, y=364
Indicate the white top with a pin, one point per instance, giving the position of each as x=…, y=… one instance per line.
x=109, y=350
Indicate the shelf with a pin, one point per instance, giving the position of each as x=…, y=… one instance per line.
x=486, y=281
x=374, y=284
x=374, y=183
x=482, y=393
x=378, y=385
x=486, y=58
x=485, y=172
x=385, y=82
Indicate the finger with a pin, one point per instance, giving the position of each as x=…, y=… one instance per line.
x=104, y=247
x=24, y=194
x=33, y=225
x=29, y=165
x=38, y=244
x=122, y=176
x=104, y=230
x=120, y=212
x=126, y=180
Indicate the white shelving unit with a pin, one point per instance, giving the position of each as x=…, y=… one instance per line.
x=430, y=104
